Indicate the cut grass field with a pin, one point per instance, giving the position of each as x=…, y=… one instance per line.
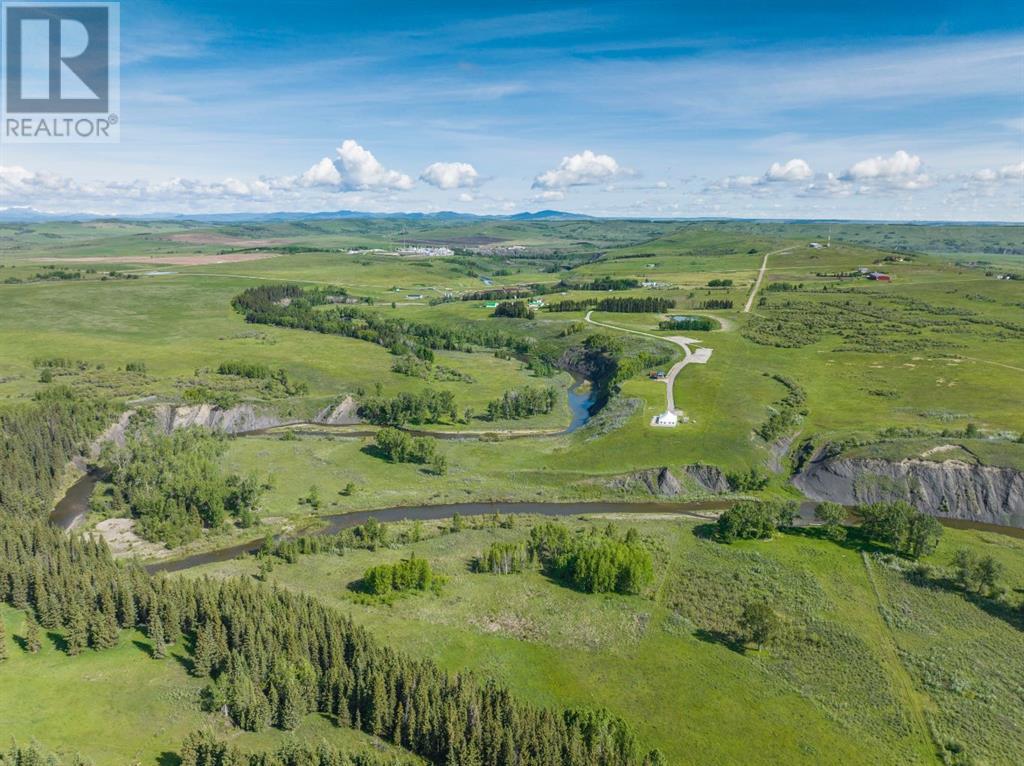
x=855, y=679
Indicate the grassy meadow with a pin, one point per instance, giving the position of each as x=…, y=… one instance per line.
x=872, y=668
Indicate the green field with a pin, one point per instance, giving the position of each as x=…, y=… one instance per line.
x=871, y=667
x=874, y=665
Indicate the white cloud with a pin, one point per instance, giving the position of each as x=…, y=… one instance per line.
x=466, y=197
x=794, y=170
x=451, y=175
x=899, y=165
x=323, y=173
x=582, y=169
x=355, y=169
x=552, y=195
x=900, y=170
x=361, y=170
x=1013, y=171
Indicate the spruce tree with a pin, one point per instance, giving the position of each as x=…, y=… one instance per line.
x=32, y=640
x=156, y=635
x=202, y=654
x=78, y=631
x=3, y=641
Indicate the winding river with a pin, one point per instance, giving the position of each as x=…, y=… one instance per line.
x=74, y=505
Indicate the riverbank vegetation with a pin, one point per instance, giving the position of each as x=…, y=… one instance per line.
x=174, y=485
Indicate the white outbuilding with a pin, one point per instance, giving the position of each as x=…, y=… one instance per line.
x=666, y=420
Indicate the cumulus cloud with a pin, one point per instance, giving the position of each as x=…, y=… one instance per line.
x=355, y=169
x=451, y=175
x=794, y=170
x=323, y=173
x=900, y=170
x=361, y=170
x=1005, y=173
x=552, y=195
x=582, y=169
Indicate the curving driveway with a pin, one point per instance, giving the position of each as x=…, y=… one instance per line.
x=698, y=356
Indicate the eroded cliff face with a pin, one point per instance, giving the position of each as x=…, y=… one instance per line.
x=233, y=420
x=951, y=489
x=243, y=418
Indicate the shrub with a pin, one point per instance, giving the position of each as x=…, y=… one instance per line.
x=901, y=527
x=406, y=575
x=751, y=520
x=502, y=558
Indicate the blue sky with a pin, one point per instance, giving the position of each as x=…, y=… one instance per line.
x=853, y=110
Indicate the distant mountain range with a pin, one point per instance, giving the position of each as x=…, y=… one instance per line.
x=17, y=214
x=31, y=215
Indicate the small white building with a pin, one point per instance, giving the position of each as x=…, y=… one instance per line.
x=666, y=420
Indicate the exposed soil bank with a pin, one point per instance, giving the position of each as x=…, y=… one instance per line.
x=950, y=489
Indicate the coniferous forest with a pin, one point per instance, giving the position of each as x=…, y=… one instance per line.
x=271, y=656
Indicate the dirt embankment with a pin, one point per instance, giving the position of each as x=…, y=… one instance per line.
x=662, y=482
x=243, y=418
x=950, y=489
x=233, y=420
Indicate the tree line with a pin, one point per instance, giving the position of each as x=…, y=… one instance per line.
x=291, y=306
x=701, y=324
x=601, y=284
x=896, y=525
x=787, y=412
x=39, y=439
x=202, y=748
x=513, y=310
x=522, y=403
x=426, y=406
x=273, y=656
x=617, y=305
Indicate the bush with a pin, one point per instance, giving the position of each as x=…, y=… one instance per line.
x=832, y=515
x=901, y=527
x=592, y=565
x=399, y=447
x=522, y=403
x=502, y=558
x=408, y=574
x=751, y=520
x=513, y=310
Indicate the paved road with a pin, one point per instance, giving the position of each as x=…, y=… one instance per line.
x=700, y=356
x=760, y=277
